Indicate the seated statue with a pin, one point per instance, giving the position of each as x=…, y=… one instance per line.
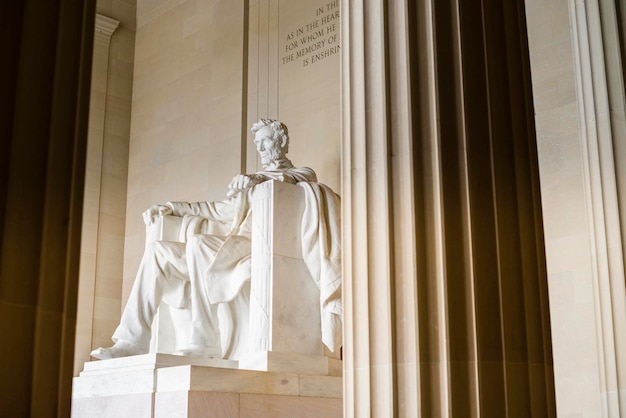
x=213, y=267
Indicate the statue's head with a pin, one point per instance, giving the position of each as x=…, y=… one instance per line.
x=271, y=138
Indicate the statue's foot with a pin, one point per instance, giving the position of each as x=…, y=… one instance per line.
x=119, y=349
x=195, y=350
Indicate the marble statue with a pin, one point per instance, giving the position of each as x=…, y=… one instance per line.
x=212, y=268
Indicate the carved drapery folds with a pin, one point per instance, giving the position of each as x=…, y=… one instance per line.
x=446, y=308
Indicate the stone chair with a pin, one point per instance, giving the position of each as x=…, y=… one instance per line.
x=284, y=312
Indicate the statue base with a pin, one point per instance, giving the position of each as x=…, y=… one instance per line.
x=163, y=385
x=272, y=361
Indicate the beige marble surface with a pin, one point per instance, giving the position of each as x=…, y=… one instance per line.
x=162, y=385
x=230, y=405
x=306, y=96
x=581, y=224
x=273, y=361
x=101, y=259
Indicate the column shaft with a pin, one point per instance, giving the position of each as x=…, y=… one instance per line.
x=445, y=284
x=41, y=198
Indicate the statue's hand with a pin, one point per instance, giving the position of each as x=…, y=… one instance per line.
x=154, y=211
x=240, y=183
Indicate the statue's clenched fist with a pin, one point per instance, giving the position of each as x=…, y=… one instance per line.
x=154, y=211
x=240, y=183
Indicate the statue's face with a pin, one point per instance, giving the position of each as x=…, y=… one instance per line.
x=269, y=149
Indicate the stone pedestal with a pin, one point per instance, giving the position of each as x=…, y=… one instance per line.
x=272, y=361
x=163, y=385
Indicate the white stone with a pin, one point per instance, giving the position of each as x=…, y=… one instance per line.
x=161, y=385
x=210, y=379
x=284, y=302
x=272, y=361
x=200, y=256
x=133, y=374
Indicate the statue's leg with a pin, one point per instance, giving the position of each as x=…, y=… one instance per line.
x=163, y=266
x=234, y=324
x=181, y=322
x=205, y=335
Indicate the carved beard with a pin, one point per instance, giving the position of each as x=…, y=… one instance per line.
x=271, y=156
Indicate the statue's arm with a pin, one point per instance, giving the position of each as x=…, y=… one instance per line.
x=243, y=182
x=297, y=174
x=220, y=211
x=224, y=211
x=154, y=211
x=292, y=175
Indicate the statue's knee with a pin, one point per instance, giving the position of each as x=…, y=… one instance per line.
x=152, y=248
x=156, y=250
x=194, y=241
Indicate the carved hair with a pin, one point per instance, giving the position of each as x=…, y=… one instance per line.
x=280, y=131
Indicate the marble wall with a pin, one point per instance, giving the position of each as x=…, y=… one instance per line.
x=580, y=130
x=293, y=76
x=186, y=129
x=563, y=198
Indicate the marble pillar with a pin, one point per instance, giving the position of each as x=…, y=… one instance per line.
x=445, y=294
x=46, y=79
x=576, y=51
x=93, y=226
x=601, y=101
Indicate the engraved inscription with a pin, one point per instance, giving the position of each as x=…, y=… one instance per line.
x=314, y=41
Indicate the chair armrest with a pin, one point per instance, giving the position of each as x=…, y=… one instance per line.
x=164, y=228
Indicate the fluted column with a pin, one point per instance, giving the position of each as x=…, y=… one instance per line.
x=600, y=91
x=91, y=226
x=446, y=310
x=42, y=158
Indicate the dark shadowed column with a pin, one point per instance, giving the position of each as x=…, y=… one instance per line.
x=45, y=95
x=446, y=309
